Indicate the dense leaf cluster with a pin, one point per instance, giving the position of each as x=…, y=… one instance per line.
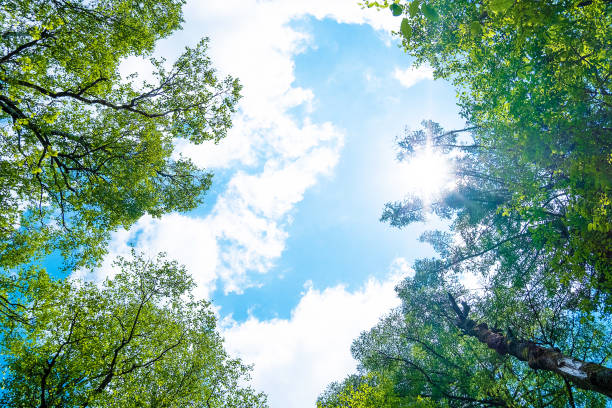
x=83, y=150
x=141, y=339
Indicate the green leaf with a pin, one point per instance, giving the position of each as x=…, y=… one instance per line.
x=429, y=12
x=396, y=9
x=413, y=8
x=405, y=29
x=475, y=28
x=499, y=6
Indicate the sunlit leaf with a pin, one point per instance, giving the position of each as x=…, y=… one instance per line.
x=413, y=8
x=406, y=29
x=475, y=28
x=500, y=6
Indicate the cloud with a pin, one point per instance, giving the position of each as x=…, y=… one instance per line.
x=269, y=158
x=251, y=215
x=294, y=359
x=401, y=267
x=410, y=76
x=245, y=231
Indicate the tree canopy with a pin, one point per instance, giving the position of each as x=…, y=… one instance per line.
x=534, y=87
x=426, y=360
x=85, y=151
x=141, y=339
x=529, y=216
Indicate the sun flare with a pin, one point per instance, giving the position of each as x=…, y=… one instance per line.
x=426, y=175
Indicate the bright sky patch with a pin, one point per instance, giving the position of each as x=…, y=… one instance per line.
x=300, y=183
x=425, y=175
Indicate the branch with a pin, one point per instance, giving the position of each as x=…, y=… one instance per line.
x=482, y=252
x=45, y=34
x=131, y=106
x=584, y=375
x=452, y=132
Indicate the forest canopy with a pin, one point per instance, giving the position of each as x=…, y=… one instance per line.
x=141, y=339
x=513, y=309
x=86, y=151
x=530, y=214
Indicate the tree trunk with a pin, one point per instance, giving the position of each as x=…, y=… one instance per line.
x=588, y=376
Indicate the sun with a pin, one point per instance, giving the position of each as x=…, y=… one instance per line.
x=426, y=175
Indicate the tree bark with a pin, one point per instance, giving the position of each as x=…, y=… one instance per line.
x=584, y=375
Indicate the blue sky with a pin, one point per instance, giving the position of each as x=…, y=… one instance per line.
x=335, y=237
x=288, y=244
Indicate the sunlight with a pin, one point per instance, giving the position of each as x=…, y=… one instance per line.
x=426, y=175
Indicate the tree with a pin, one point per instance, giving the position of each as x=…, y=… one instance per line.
x=85, y=151
x=585, y=375
x=530, y=213
x=534, y=86
x=514, y=221
x=430, y=361
x=537, y=276
x=141, y=339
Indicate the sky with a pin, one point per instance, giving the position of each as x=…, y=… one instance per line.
x=288, y=243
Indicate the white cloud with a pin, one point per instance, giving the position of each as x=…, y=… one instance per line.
x=271, y=159
x=401, y=267
x=245, y=231
x=294, y=359
x=410, y=76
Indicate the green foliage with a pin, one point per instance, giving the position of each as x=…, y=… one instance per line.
x=396, y=9
x=534, y=81
x=405, y=28
x=84, y=151
x=368, y=391
x=429, y=12
x=516, y=221
x=415, y=356
x=141, y=339
x=531, y=211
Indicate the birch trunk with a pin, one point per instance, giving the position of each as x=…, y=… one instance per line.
x=588, y=376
